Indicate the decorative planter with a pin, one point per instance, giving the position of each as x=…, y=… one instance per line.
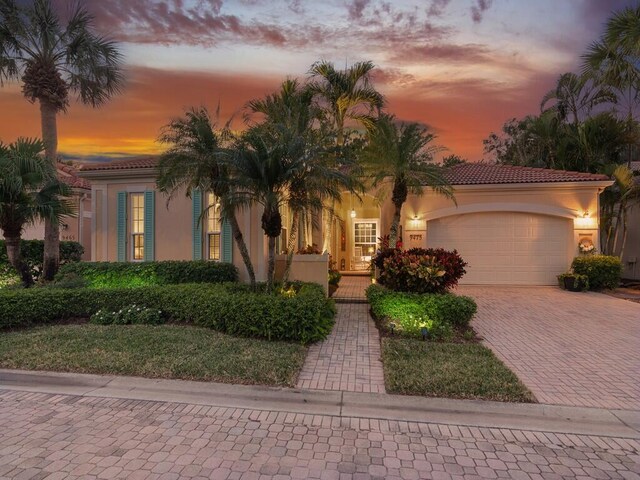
x=574, y=284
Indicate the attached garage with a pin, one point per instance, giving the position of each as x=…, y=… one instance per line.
x=507, y=248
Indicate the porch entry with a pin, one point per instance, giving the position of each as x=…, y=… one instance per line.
x=365, y=242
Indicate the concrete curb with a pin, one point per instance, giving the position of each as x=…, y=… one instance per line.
x=547, y=418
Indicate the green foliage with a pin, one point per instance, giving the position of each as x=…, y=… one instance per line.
x=306, y=316
x=603, y=271
x=576, y=282
x=33, y=254
x=131, y=315
x=124, y=274
x=334, y=277
x=410, y=312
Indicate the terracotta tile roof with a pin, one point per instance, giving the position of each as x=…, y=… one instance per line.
x=487, y=174
x=128, y=164
x=69, y=175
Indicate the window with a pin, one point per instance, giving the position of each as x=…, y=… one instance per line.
x=365, y=238
x=213, y=227
x=137, y=226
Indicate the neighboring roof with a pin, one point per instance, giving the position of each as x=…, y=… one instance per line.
x=488, y=174
x=128, y=164
x=69, y=175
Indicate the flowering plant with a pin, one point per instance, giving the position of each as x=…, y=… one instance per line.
x=586, y=247
x=134, y=314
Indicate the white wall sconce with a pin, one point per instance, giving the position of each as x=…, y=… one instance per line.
x=585, y=222
x=352, y=213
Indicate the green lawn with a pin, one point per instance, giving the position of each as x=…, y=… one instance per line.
x=167, y=351
x=453, y=370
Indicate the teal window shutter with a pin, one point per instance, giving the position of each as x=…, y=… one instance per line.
x=227, y=242
x=121, y=226
x=196, y=202
x=149, y=225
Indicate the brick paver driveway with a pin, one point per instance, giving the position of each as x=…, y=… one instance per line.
x=71, y=437
x=580, y=349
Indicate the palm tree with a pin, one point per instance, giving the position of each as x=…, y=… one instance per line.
x=617, y=200
x=576, y=95
x=195, y=160
x=291, y=115
x=344, y=95
x=29, y=192
x=399, y=157
x=53, y=60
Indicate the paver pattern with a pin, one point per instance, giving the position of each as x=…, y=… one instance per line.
x=352, y=287
x=578, y=349
x=71, y=437
x=349, y=359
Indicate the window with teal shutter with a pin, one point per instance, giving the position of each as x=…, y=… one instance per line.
x=196, y=202
x=121, y=226
x=227, y=242
x=149, y=225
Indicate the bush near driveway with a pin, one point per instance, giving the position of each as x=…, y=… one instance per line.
x=165, y=351
x=305, y=316
x=603, y=271
x=125, y=274
x=410, y=312
x=452, y=370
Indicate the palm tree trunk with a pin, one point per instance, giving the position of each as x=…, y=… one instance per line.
x=15, y=259
x=48, y=120
x=395, y=223
x=616, y=233
x=328, y=227
x=271, y=266
x=291, y=243
x=242, y=246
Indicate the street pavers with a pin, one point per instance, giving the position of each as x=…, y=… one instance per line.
x=67, y=436
x=579, y=349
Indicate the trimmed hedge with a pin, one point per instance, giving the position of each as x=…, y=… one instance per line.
x=125, y=274
x=306, y=316
x=33, y=254
x=603, y=271
x=410, y=312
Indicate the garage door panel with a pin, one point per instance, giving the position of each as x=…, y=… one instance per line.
x=506, y=247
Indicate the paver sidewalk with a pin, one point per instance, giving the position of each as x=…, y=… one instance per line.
x=349, y=359
x=72, y=437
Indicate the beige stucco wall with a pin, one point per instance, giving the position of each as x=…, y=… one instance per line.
x=173, y=226
x=631, y=255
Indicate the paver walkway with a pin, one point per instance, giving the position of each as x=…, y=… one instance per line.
x=352, y=288
x=349, y=359
x=72, y=437
x=580, y=349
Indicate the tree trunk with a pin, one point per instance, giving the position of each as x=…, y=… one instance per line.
x=291, y=243
x=271, y=266
x=328, y=227
x=395, y=223
x=48, y=119
x=15, y=259
x=242, y=246
x=616, y=233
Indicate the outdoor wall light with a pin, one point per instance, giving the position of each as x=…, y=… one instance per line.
x=585, y=221
x=353, y=213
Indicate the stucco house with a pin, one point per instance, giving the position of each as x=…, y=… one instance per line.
x=76, y=228
x=513, y=225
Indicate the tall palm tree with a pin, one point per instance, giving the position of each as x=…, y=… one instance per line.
x=345, y=95
x=53, y=60
x=398, y=157
x=194, y=159
x=575, y=96
x=29, y=191
x=292, y=116
x=620, y=196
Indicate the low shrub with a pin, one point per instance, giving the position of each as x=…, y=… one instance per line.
x=305, y=316
x=131, y=315
x=125, y=274
x=33, y=254
x=603, y=271
x=410, y=312
x=573, y=282
x=419, y=270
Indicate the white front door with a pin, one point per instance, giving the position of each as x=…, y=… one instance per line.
x=365, y=242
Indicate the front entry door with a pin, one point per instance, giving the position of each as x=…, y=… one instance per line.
x=365, y=242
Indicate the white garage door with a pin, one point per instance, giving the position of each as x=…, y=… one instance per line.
x=505, y=248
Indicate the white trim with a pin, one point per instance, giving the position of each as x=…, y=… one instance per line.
x=136, y=188
x=105, y=225
x=94, y=240
x=502, y=207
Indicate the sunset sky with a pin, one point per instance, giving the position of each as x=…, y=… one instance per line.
x=462, y=67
